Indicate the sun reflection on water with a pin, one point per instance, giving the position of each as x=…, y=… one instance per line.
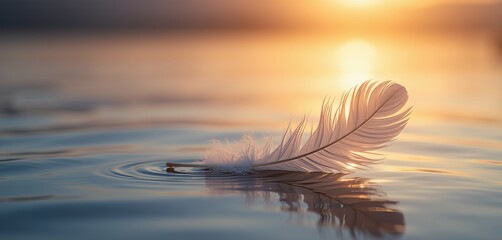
x=356, y=60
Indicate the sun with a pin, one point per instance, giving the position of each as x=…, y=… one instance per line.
x=356, y=60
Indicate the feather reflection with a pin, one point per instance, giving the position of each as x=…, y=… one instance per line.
x=353, y=204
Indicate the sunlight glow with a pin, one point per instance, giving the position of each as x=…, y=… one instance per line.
x=356, y=60
x=361, y=2
x=357, y=3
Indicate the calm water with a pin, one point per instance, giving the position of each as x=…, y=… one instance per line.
x=88, y=122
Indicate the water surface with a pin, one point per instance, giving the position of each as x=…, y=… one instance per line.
x=88, y=123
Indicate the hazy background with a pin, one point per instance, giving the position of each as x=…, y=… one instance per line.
x=234, y=52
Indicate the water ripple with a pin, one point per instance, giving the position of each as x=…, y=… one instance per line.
x=156, y=171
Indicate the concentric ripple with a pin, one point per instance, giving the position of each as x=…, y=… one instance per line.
x=156, y=171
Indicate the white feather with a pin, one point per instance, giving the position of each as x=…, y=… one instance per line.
x=367, y=118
